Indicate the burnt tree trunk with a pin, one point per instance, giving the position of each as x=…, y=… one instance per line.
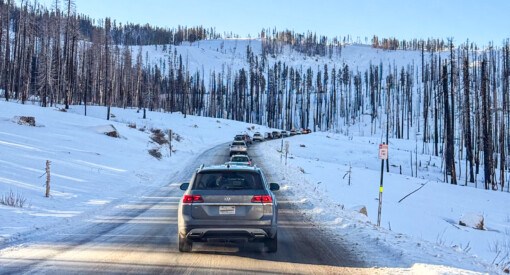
x=485, y=124
x=449, y=145
x=468, y=143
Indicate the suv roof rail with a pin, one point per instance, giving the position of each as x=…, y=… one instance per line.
x=201, y=167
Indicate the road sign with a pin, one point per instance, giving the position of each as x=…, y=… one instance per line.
x=383, y=151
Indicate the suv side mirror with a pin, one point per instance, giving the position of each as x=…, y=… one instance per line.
x=184, y=186
x=274, y=186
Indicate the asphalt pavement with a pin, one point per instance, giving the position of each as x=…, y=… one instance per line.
x=140, y=236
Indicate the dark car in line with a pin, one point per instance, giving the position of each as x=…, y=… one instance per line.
x=244, y=137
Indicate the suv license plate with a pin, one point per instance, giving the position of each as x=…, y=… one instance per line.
x=227, y=210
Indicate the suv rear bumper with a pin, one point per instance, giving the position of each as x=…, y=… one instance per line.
x=201, y=233
x=231, y=234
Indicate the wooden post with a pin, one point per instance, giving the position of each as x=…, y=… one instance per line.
x=48, y=178
x=286, y=151
x=170, y=140
x=281, y=150
x=350, y=171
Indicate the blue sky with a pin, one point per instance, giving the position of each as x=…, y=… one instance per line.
x=479, y=20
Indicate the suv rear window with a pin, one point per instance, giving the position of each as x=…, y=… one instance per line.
x=240, y=159
x=227, y=180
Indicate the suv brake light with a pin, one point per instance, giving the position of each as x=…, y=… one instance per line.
x=262, y=199
x=192, y=198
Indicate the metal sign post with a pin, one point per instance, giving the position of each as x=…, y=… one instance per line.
x=383, y=155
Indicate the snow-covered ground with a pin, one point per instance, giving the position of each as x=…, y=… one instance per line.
x=91, y=172
x=423, y=226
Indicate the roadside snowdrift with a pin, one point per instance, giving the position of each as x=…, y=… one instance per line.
x=92, y=172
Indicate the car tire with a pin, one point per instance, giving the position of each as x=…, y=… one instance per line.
x=185, y=245
x=271, y=244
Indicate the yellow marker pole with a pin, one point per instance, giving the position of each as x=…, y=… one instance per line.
x=380, y=189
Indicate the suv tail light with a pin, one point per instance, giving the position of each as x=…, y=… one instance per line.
x=262, y=199
x=192, y=198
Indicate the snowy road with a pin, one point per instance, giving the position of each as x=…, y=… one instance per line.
x=140, y=236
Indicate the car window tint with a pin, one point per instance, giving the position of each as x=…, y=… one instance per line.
x=239, y=159
x=227, y=180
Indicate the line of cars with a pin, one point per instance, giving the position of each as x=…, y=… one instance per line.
x=231, y=202
x=238, y=150
x=240, y=144
x=283, y=133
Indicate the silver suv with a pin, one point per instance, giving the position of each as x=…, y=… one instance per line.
x=239, y=160
x=238, y=147
x=258, y=137
x=228, y=203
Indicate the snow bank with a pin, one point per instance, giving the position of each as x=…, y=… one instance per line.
x=423, y=228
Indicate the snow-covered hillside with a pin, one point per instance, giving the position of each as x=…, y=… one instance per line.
x=92, y=172
x=219, y=55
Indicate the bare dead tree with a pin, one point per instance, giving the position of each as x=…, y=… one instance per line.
x=468, y=143
x=486, y=126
